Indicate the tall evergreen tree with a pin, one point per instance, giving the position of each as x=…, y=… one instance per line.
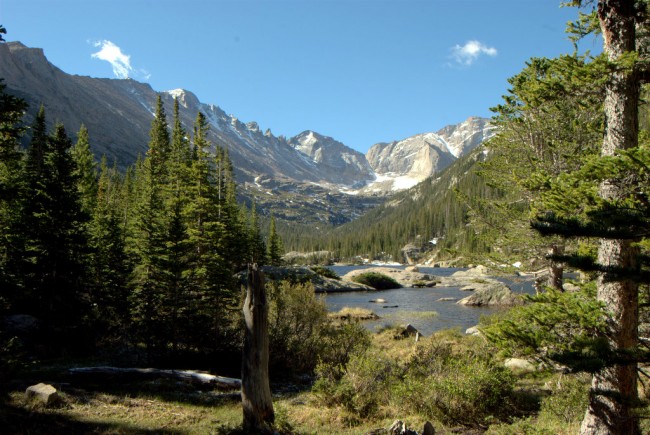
x=56, y=245
x=276, y=249
x=11, y=130
x=614, y=390
x=149, y=236
x=178, y=246
x=257, y=247
x=85, y=171
x=109, y=268
x=549, y=121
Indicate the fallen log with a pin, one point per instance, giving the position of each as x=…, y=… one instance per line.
x=191, y=376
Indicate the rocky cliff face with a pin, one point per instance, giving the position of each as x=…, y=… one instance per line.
x=331, y=155
x=402, y=164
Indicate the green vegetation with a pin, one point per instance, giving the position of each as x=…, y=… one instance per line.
x=140, y=266
x=376, y=280
x=326, y=272
x=430, y=210
x=135, y=262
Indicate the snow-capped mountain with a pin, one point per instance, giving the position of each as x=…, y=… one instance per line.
x=332, y=155
x=118, y=115
x=302, y=177
x=402, y=164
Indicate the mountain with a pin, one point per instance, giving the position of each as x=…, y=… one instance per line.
x=431, y=216
x=118, y=115
x=333, y=155
x=310, y=178
x=402, y=164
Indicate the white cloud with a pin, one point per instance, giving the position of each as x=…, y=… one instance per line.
x=468, y=53
x=112, y=54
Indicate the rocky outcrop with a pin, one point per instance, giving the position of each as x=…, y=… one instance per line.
x=351, y=166
x=411, y=253
x=405, y=278
x=300, y=274
x=491, y=294
x=402, y=164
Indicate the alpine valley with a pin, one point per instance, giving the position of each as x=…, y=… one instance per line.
x=309, y=178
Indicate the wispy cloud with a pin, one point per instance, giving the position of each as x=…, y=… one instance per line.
x=112, y=54
x=466, y=54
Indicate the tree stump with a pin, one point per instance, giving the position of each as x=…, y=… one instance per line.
x=255, y=392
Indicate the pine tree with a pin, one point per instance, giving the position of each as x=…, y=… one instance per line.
x=275, y=245
x=86, y=170
x=109, y=267
x=149, y=237
x=550, y=119
x=11, y=130
x=54, y=230
x=178, y=244
x=257, y=247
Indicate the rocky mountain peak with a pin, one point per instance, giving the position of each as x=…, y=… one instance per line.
x=185, y=98
x=404, y=163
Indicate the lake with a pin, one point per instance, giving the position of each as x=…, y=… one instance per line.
x=420, y=307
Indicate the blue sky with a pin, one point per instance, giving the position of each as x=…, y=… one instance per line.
x=361, y=71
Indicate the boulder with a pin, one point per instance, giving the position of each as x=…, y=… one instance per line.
x=446, y=300
x=570, y=287
x=411, y=253
x=495, y=293
x=473, y=331
x=412, y=269
x=520, y=366
x=399, y=428
x=44, y=393
x=407, y=331
x=428, y=429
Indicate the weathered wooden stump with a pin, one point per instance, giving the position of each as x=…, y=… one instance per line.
x=256, y=397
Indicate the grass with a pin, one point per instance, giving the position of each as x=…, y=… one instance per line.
x=353, y=313
x=168, y=407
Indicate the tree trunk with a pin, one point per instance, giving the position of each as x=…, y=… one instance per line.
x=613, y=390
x=256, y=392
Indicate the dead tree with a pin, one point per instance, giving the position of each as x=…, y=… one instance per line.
x=256, y=392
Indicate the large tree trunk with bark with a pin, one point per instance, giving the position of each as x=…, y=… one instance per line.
x=613, y=390
x=256, y=397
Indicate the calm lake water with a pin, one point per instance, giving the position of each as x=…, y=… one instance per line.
x=420, y=307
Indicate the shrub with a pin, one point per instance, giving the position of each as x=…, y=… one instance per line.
x=364, y=386
x=452, y=379
x=339, y=344
x=455, y=385
x=326, y=272
x=568, y=400
x=376, y=280
x=563, y=327
x=297, y=320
